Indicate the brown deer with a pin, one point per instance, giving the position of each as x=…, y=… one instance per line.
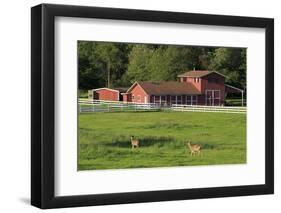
x=194, y=148
x=135, y=142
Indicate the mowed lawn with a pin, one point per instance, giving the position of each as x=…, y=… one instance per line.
x=104, y=139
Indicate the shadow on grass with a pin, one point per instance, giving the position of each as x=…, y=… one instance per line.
x=207, y=146
x=148, y=141
x=124, y=141
x=171, y=125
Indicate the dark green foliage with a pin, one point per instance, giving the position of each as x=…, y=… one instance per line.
x=119, y=64
x=100, y=62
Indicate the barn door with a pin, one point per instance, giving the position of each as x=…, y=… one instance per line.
x=216, y=98
x=209, y=97
x=96, y=95
x=212, y=97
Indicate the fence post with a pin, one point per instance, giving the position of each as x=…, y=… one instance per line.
x=242, y=97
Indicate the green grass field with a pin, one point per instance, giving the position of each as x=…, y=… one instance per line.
x=104, y=139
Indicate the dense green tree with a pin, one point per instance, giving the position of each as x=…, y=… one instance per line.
x=91, y=72
x=162, y=63
x=101, y=63
x=138, y=64
x=232, y=63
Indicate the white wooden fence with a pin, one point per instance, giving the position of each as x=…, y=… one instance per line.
x=196, y=108
x=87, y=105
x=90, y=105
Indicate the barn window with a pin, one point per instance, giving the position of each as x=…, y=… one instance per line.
x=152, y=98
x=194, y=100
x=156, y=99
x=188, y=100
x=163, y=100
x=179, y=99
x=133, y=97
x=173, y=99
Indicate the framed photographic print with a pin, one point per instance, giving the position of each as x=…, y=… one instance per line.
x=139, y=106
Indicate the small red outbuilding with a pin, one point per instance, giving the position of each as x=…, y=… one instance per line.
x=106, y=94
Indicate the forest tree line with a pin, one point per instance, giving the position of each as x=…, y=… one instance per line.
x=103, y=64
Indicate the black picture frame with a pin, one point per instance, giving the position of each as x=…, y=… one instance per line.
x=43, y=102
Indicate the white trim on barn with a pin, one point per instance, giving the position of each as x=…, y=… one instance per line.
x=232, y=87
x=114, y=90
x=133, y=87
x=201, y=76
x=104, y=88
x=217, y=73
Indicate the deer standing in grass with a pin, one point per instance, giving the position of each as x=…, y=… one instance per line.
x=194, y=148
x=135, y=142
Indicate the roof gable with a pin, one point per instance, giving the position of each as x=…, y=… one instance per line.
x=133, y=86
x=198, y=73
x=117, y=89
x=105, y=88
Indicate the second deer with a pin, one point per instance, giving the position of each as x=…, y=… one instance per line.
x=194, y=148
x=135, y=142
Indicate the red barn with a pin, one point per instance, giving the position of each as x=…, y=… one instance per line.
x=210, y=84
x=162, y=93
x=193, y=88
x=106, y=94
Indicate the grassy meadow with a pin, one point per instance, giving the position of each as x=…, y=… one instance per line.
x=104, y=139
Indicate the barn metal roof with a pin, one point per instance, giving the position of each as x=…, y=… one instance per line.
x=168, y=88
x=117, y=89
x=198, y=73
x=232, y=89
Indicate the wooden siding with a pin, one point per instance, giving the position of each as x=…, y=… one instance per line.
x=214, y=82
x=106, y=94
x=138, y=95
